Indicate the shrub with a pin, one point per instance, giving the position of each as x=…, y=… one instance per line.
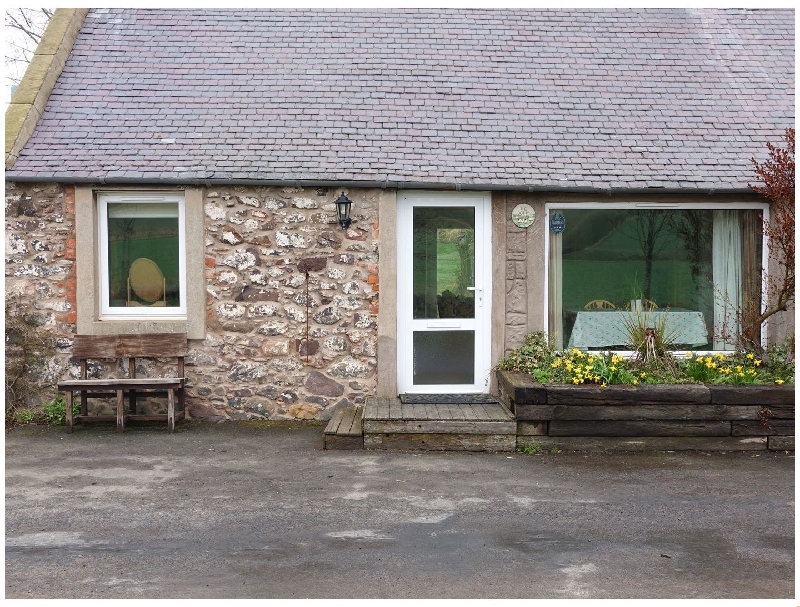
x=55, y=411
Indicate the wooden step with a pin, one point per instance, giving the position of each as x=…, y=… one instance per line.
x=345, y=429
x=392, y=424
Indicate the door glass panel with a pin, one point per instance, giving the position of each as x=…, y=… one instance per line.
x=444, y=262
x=444, y=357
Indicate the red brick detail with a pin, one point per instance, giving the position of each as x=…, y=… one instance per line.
x=69, y=202
x=69, y=250
x=372, y=279
x=211, y=262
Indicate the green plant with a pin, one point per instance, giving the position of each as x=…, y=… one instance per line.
x=649, y=336
x=24, y=416
x=536, y=358
x=603, y=368
x=532, y=357
x=55, y=411
x=779, y=361
x=530, y=449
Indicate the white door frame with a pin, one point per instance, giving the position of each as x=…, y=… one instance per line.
x=481, y=324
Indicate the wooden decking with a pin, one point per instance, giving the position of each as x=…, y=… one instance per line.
x=345, y=430
x=392, y=424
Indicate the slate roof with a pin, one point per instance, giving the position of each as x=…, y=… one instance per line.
x=615, y=98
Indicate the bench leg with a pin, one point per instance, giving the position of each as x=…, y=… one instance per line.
x=69, y=412
x=120, y=416
x=171, y=409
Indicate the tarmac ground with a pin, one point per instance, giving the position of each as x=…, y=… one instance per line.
x=240, y=510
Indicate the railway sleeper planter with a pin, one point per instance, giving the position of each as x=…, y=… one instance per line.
x=651, y=417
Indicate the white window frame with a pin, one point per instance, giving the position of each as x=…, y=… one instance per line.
x=667, y=206
x=139, y=312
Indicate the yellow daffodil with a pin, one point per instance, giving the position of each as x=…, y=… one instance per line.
x=751, y=356
x=779, y=381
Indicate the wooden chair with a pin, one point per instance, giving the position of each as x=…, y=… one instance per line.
x=599, y=304
x=148, y=284
x=647, y=305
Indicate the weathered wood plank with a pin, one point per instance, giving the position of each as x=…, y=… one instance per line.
x=639, y=428
x=531, y=428
x=384, y=411
x=357, y=429
x=116, y=383
x=335, y=422
x=780, y=411
x=637, y=412
x=439, y=426
x=441, y=442
x=94, y=346
x=157, y=345
x=349, y=414
x=521, y=388
x=774, y=427
x=691, y=394
x=120, y=411
x=766, y=395
x=468, y=412
x=675, y=443
x=780, y=443
x=127, y=418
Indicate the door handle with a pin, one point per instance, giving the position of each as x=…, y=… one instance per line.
x=478, y=294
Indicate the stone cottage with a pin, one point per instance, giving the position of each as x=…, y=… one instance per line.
x=507, y=171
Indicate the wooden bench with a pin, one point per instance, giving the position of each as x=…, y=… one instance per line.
x=107, y=347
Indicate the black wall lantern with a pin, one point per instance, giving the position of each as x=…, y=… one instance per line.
x=343, y=204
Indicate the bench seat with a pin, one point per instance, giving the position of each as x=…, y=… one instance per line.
x=168, y=345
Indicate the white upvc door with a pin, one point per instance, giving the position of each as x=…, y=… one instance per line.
x=444, y=292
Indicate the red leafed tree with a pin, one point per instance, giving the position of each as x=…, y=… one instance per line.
x=776, y=176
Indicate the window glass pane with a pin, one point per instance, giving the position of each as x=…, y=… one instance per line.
x=698, y=267
x=143, y=254
x=444, y=262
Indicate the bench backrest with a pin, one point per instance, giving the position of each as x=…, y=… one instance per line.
x=147, y=345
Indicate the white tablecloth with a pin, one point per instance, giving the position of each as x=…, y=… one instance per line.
x=606, y=328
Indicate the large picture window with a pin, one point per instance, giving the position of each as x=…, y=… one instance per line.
x=142, y=260
x=697, y=269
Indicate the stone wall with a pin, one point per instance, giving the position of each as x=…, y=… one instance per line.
x=292, y=304
x=291, y=298
x=40, y=263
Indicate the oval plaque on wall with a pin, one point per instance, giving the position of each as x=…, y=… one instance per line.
x=523, y=215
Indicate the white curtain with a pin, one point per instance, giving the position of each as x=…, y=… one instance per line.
x=555, y=304
x=727, y=270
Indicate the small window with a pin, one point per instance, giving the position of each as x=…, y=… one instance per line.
x=142, y=260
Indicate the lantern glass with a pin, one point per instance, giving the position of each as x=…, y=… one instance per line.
x=343, y=204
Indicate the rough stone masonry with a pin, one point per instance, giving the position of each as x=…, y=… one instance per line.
x=291, y=298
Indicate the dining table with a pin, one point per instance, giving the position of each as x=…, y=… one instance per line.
x=608, y=328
